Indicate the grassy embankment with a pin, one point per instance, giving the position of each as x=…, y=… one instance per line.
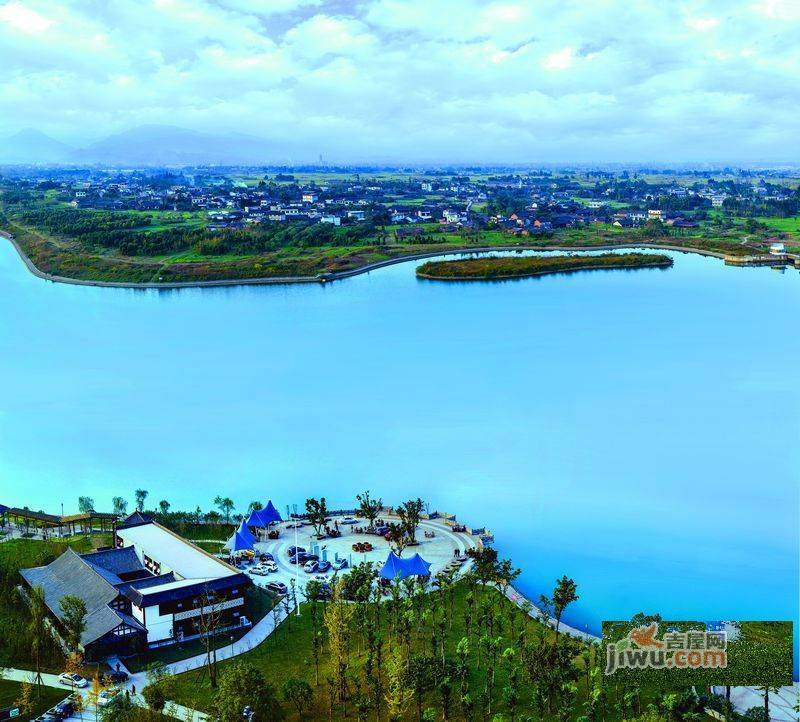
x=508, y=267
x=288, y=654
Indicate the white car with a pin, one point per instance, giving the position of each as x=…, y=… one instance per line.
x=264, y=568
x=72, y=680
x=106, y=696
x=339, y=564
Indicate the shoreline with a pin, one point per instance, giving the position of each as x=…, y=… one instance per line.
x=324, y=278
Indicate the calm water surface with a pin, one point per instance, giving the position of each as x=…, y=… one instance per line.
x=637, y=431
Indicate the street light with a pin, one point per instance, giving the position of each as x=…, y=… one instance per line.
x=297, y=565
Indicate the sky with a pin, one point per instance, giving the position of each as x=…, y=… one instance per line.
x=417, y=80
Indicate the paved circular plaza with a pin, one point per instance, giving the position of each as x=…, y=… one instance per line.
x=437, y=547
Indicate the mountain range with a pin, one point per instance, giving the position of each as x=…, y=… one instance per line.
x=151, y=145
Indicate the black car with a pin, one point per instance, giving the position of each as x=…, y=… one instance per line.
x=291, y=551
x=266, y=557
x=117, y=676
x=310, y=557
x=277, y=588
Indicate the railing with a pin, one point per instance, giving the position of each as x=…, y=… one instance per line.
x=220, y=606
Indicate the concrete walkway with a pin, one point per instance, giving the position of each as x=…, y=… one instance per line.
x=781, y=703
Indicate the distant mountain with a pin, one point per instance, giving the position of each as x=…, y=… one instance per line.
x=169, y=145
x=33, y=146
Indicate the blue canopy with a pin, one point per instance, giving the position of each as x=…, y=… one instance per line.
x=269, y=513
x=264, y=517
x=255, y=518
x=395, y=567
x=246, y=533
x=237, y=543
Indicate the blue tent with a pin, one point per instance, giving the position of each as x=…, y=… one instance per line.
x=264, y=517
x=237, y=543
x=255, y=518
x=269, y=513
x=395, y=567
x=246, y=533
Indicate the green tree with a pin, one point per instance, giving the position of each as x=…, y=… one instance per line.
x=73, y=620
x=154, y=696
x=225, y=505
x=254, y=506
x=141, y=495
x=369, y=508
x=241, y=685
x=163, y=506
x=410, y=513
x=317, y=511
x=119, y=506
x=37, y=630
x=563, y=595
x=299, y=694
x=85, y=504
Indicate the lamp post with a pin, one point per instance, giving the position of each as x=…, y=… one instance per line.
x=296, y=566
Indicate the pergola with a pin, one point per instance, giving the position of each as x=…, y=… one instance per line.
x=83, y=523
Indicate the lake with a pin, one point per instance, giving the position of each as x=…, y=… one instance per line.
x=635, y=430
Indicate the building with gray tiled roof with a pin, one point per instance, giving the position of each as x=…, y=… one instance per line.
x=150, y=589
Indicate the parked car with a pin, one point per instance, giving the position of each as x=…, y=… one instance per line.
x=348, y=520
x=66, y=708
x=310, y=567
x=260, y=570
x=381, y=530
x=311, y=557
x=106, y=696
x=72, y=680
x=291, y=551
x=277, y=588
x=266, y=557
x=54, y=713
x=117, y=676
x=323, y=566
x=301, y=558
x=339, y=564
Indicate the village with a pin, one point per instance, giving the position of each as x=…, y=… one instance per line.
x=514, y=200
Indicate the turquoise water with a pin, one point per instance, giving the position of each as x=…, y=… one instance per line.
x=637, y=431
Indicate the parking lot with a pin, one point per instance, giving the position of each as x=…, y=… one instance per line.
x=438, y=547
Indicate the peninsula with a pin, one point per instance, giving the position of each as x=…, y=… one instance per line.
x=496, y=268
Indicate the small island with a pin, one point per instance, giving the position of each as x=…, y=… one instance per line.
x=491, y=268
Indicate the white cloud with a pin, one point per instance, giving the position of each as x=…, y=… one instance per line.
x=559, y=60
x=20, y=17
x=415, y=79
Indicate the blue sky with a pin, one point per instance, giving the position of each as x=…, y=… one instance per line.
x=417, y=80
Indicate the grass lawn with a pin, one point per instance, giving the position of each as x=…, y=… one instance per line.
x=10, y=693
x=785, y=225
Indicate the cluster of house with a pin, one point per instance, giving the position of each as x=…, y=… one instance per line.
x=544, y=200
x=152, y=587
